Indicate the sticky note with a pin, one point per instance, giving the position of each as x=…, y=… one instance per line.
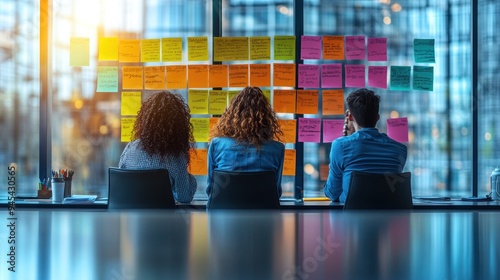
x=355, y=48
x=198, y=162
x=108, y=49
x=79, y=51
x=333, y=102
x=238, y=75
x=284, y=101
x=354, y=75
x=217, y=102
x=127, y=125
x=231, y=94
x=284, y=47
x=289, y=162
x=333, y=47
x=197, y=48
x=132, y=77
x=230, y=48
x=331, y=75
x=377, y=49
x=171, y=49
x=307, y=101
x=197, y=76
x=332, y=129
x=260, y=75
x=198, y=101
x=260, y=48
x=423, y=50
x=154, y=77
x=267, y=94
x=176, y=76
x=289, y=129
x=129, y=50
x=284, y=75
x=423, y=78
x=377, y=76
x=130, y=103
x=309, y=130
x=308, y=76
x=150, y=50
x=400, y=78
x=218, y=75
x=397, y=129
x=310, y=47
x=213, y=123
x=107, y=79
x=200, y=129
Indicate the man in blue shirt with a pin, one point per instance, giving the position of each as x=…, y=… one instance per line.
x=363, y=148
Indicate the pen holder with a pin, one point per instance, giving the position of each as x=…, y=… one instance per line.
x=44, y=193
x=67, y=187
x=57, y=187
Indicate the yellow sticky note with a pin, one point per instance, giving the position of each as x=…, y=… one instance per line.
x=108, y=49
x=260, y=75
x=200, y=129
x=289, y=162
x=333, y=102
x=284, y=75
x=284, y=47
x=197, y=48
x=198, y=162
x=150, y=50
x=154, y=77
x=171, y=49
x=267, y=94
x=131, y=103
x=231, y=94
x=176, y=76
x=127, y=125
x=217, y=76
x=217, y=102
x=198, y=76
x=289, y=128
x=132, y=77
x=284, y=101
x=79, y=51
x=307, y=102
x=198, y=101
x=230, y=48
x=260, y=48
x=129, y=50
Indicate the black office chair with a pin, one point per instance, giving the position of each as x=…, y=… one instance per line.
x=139, y=189
x=379, y=191
x=243, y=190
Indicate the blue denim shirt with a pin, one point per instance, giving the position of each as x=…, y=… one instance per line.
x=366, y=150
x=227, y=154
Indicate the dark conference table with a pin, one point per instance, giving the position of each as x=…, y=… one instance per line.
x=185, y=244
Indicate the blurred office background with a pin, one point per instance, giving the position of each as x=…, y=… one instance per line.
x=85, y=132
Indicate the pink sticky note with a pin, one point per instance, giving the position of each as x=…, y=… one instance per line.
x=354, y=75
x=377, y=76
x=397, y=129
x=331, y=75
x=309, y=130
x=355, y=48
x=308, y=76
x=377, y=49
x=332, y=129
x=310, y=47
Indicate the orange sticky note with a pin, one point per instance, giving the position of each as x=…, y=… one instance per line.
x=129, y=50
x=238, y=75
x=289, y=128
x=217, y=75
x=132, y=77
x=260, y=75
x=333, y=102
x=307, y=102
x=289, y=162
x=154, y=77
x=176, y=76
x=213, y=123
x=284, y=101
x=198, y=162
x=198, y=76
x=333, y=47
x=284, y=75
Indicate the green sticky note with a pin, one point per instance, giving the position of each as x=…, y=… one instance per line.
x=284, y=48
x=400, y=78
x=107, y=79
x=423, y=50
x=423, y=78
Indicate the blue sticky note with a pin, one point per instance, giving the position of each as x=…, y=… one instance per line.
x=107, y=79
x=423, y=78
x=400, y=78
x=423, y=50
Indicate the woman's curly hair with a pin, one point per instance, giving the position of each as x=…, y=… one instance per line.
x=249, y=119
x=163, y=125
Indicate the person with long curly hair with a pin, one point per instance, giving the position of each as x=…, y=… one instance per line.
x=244, y=137
x=162, y=136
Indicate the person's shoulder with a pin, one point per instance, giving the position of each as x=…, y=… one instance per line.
x=277, y=144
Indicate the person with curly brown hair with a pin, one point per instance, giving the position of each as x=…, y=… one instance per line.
x=162, y=137
x=244, y=137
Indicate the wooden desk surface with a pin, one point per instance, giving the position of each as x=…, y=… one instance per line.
x=71, y=244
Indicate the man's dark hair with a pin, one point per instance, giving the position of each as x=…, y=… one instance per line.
x=363, y=105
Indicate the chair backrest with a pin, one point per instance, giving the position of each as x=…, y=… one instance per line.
x=243, y=190
x=139, y=189
x=379, y=191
